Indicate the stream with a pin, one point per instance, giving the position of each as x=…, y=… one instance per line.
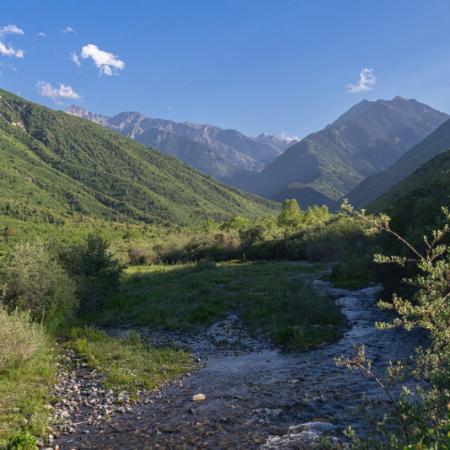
x=256, y=395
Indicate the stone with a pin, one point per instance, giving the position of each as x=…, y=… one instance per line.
x=199, y=397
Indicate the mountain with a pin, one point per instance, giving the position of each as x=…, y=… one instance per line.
x=213, y=150
x=326, y=165
x=281, y=142
x=414, y=204
x=373, y=187
x=54, y=165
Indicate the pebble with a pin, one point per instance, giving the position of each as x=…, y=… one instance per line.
x=199, y=397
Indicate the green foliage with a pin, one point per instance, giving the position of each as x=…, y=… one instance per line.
x=290, y=215
x=428, y=307
x=236, y=223
x=21, y=441
x=414, y=204
x=27, y=372
x=33, y=280
x=96, y=271
x=57, y=167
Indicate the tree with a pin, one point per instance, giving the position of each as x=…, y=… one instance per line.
x=95, y=270
x=291, y=215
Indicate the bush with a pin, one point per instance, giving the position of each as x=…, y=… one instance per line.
x=21, y=440
x=96, y=271
x=138, y=256
x=20, y=339
x=27, y=373
x=33, y=280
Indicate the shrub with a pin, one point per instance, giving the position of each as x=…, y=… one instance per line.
x=21, y=440
x=421, y=414
x=33, y=280
x=20, y=339
x=27, y=373
x=96, y=271
x=138, y=256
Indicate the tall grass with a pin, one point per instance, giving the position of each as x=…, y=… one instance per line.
x=27, y=371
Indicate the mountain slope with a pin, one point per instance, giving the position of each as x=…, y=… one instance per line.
x=326, y=165
x=373, y=187
x=55, y=165
x=414, y=204
x=218, y=152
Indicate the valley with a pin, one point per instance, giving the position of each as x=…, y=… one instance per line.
x=170, y=283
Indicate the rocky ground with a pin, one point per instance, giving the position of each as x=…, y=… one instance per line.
x=254, y=396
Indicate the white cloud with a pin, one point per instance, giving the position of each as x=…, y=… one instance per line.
x=68, y=30
x=11, y=29
x=107, y=63
x=366, y=82
x=75, y=59
x=42, y=34
x=57, y=93
x=7, y=49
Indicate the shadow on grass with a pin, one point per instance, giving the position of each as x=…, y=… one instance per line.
x=275, y=297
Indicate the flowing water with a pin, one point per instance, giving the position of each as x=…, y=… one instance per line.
x=256, y=395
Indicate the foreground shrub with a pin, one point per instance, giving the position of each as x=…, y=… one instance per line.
x=420, y=414
x=27, y=373
x=33, y=280
x=20, y=339
x=95, y=270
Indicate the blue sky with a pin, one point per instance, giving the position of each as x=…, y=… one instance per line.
x=254, y=65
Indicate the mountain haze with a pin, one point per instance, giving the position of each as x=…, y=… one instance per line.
x=213, y=150
x=54, y=165
x=373, y=187
x=326, y=165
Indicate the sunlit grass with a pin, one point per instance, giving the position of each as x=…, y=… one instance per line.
x=128, y=363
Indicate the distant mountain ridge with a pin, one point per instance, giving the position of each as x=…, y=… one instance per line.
x=213, y=150
x=324, y=166
x=54, y=166
x=375, y=186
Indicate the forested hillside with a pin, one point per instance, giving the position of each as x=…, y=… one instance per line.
x=55, y=165
x=373, y=187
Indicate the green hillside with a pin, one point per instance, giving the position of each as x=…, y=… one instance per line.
x=373, y=187
x=54, y=165
x=415, y=203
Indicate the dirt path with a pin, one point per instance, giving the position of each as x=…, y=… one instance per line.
x=256, y=396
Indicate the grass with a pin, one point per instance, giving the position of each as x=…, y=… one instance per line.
x=27, y=372
x=128, y=363
x=353, y=273
x=275, y=297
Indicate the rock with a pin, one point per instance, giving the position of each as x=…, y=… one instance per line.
x=199, y=397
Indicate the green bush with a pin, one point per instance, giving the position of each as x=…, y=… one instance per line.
x=95, y=270
x=33, y=280
x=21, y=440
x=27, y=373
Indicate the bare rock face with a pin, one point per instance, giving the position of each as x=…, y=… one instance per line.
x=210, y=149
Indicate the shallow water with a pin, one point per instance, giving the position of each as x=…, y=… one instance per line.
x=257, y=396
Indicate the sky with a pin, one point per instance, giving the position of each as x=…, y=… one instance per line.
x=276, y=66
